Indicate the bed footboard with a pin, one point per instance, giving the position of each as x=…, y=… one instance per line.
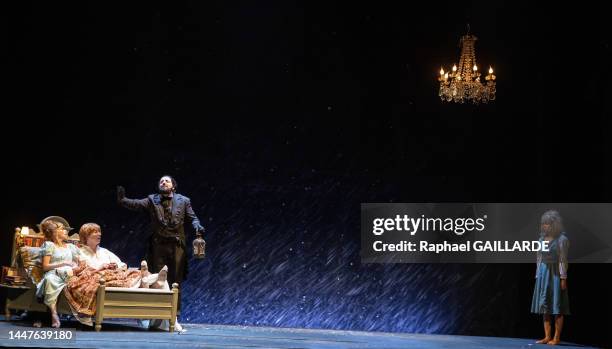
x=136, y=303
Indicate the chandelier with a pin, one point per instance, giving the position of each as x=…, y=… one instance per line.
x=462, y=84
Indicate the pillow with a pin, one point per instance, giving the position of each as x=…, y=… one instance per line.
x=31, y=261
x=30, y=256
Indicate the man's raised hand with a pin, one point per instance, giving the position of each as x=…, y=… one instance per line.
x=120, y=192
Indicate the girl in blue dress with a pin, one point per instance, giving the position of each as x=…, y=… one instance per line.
x=60, y=261
x=550, y=293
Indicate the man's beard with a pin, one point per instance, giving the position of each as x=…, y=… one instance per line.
x=165, y=191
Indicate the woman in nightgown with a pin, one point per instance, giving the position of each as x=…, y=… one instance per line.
x=60, y=261
x=550, y=292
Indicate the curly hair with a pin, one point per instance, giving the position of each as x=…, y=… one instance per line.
x=49, y=228
x=86, y=230
x=553, y=218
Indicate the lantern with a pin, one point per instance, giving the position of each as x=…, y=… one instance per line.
x=199, y=246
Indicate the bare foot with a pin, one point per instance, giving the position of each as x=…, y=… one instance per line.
x=37, y=324
x=55, y=321
x=553, y=342
x=163, y=273
x=144, y=274
x=162, y=276
x=144, y=269
x=544, y=340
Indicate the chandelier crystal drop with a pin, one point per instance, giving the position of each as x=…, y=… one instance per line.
x=462, y=83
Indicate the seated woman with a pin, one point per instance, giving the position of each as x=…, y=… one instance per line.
x=60, y=261
x=98, y=263
x=95, y=256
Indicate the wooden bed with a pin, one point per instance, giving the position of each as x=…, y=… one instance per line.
x=111, y=302
x=136, y=303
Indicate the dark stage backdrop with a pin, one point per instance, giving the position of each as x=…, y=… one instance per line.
x=279, y=118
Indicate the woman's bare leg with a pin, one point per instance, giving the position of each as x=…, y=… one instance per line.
x=547, y=336
x=55, y=320
x=558, y=328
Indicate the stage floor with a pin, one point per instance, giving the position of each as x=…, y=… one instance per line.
x=125, y=334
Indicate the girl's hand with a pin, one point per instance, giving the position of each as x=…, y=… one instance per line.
x=564, y=284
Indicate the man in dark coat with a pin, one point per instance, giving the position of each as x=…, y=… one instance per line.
x=168, y=211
